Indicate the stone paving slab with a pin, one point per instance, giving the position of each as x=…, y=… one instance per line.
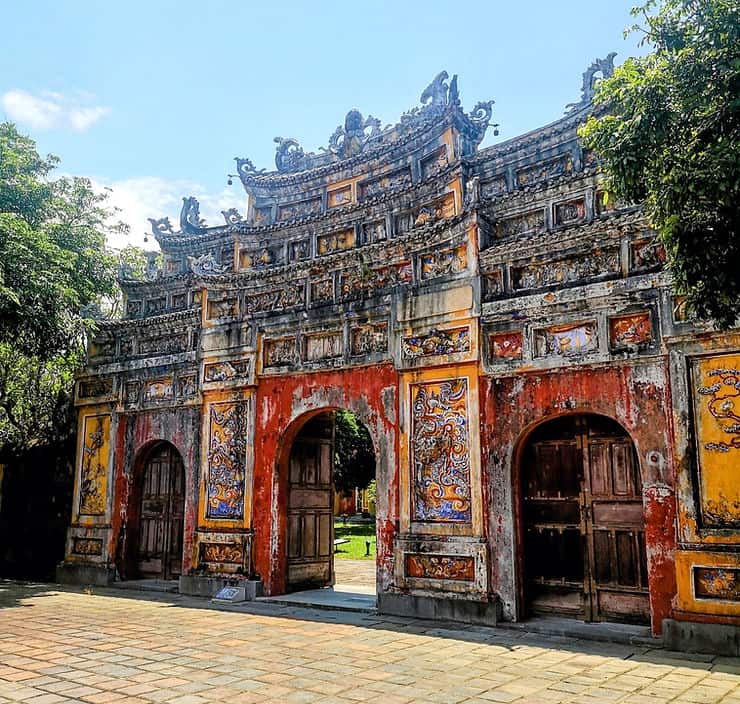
x=60, y=644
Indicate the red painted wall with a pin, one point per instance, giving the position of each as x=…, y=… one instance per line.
x=638, y=397
x=283, y=404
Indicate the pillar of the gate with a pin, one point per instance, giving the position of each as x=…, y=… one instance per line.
x=222, y=542
x=705, y=378
x=88, y=558
x=441, y=557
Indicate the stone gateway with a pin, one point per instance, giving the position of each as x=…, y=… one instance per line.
x=553, y=434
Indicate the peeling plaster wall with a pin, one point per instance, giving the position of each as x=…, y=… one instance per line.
x=283, y=405
x=635, y=396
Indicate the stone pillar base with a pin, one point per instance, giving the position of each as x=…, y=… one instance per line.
x=440, y=608
x=199, y=585
x=97, y=575
x=695, y=637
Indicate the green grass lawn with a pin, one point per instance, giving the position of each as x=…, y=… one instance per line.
x=357, y=534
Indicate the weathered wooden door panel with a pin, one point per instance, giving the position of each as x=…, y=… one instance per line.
x=582, y=514
x=310, y=506
x=159, y=553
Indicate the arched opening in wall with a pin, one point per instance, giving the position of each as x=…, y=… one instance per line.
x=581, y=522
x=331, y=536
x=157, y=515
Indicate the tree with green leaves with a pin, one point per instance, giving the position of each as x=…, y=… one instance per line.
x=54, y=264
x=667, y=131
x=354, y=460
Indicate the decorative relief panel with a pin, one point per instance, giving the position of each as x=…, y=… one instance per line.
x=374, y=231
x=302, y=209
x=336, y=241
x=156, y=305
x=446, y=262
x=325, y=345
x=258, y=258
x=369, y=339
x=134, y=308
x=187, y=385
x=262, y=216
x=717, y=583
x=440, y=451
x=566, y=271
x=280, y=352
x=222, y=553
x=565, y=340
x=647, y=254
x=131, y=392
x=366, y=282
x=299, y=250
x=436, y=342
x=90, y=547
x=94, y=387
x=395, y=180
x=322, y=290
x=227, y=370
x=493, y=284
x=441, y=209
x=524, y=224
x=94, y=469
x=451, y=567
x=339, y=196
x=545, y=170
x=228, y=426
x=716, y=387
x=434, y=163
x=179, y=301
x=290, y=295
x=158, y=390
x=506, y=345
x=570, y=212
x=496, y=187
x=629, y=330
x=170, y=344
x=224, y=308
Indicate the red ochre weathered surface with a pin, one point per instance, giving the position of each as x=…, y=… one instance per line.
x=637, y=397
x=283, y=405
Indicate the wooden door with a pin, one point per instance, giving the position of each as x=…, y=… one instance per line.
x=161, y=525
x=310, y=506
x=584, y=542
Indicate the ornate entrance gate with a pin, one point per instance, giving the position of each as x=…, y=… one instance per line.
x=582, y=516
x=310, y=505
x=159, y=552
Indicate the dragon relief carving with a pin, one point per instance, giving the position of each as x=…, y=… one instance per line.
x=605, y=67
x=205, y=265
x=232, y=216
x=289, y=155
x=161, y=226
x=191, y=222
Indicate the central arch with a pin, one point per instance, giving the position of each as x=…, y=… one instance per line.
x=307, y=473
x=582, y=533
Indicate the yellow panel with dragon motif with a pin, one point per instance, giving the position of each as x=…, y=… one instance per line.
x=716, y=392
x=94, y=450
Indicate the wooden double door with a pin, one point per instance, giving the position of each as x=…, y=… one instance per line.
x=311, y=506
x=161, y=516
x=582, y=522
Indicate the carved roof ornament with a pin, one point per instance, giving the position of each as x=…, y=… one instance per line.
x=232, y=216
x=206, y=265
x=599, y=68
x=358, y=133
x=191, y=222
x=161, y=226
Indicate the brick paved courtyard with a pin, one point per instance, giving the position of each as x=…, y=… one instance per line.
x=62, y=645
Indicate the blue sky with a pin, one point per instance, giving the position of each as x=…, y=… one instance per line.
x=155, y=99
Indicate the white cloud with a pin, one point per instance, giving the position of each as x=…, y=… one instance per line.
x=50, y=110
x=138, y=199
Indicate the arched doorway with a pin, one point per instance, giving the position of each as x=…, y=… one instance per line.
x=161, y=504
x=327, y=453
x=582, y=522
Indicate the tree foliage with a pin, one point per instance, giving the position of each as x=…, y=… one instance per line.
x=53, y=264
x=354, y=460
x=667, y=131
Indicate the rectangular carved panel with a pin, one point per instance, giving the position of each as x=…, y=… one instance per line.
x=716, y=392
x=570, y=211
x=566, y=271
x=324, y=345
x=449, y=567
x=628, y=330
x=396, y=180
x=222, y=553
x=524, y=224
x=544, y=170
x=717, y=583
x=440, y=451
x=159, y=390
x=369, y=339
x=290, y=295
x=434, y=163
x=227, y=370
x=96, y=386
x=87, y=546
x=436, y=342
x=228, y=427
x=301, y=209
x=225, y=308
x=94, y=465
x=339, y=196
x=448, y=261
x=565, y=340
x=280, y=352
x=336, y=241
x=506, y=345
